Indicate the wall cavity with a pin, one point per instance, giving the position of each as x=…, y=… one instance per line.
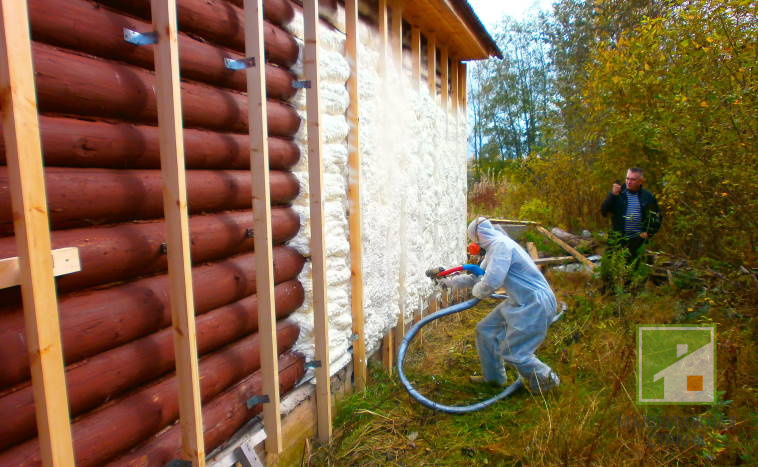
x=413, y=192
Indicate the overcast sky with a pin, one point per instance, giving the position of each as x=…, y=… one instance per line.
x=491, y=11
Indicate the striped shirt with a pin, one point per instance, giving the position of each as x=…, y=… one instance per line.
x=633, y=216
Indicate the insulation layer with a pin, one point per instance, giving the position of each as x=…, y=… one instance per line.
x=68, y=83
x=98, y=320
x=86, y=26
x=120, y=252
x=221, y=417
x=95, y=196
x=223, y=23
x=142, y=414
x=107, y=374
x=69, y=142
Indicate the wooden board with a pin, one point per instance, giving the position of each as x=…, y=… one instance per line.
x=318, y=246
x=171, y=139
x=445, y=78
x=416, y=57
x=65, y=261
x=30, y=219
x=533, y=253
x=431, y=64
x=259, y=167
x=354, y=196
x=571, y=250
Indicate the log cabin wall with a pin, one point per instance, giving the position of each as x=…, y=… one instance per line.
x=98, y=121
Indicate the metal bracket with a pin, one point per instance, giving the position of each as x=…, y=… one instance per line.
x=140, y=38
x=164, y=249
x=257, y=399
x=313, y=364
x=353, y=337
x=179, y=463
x=302, y=84
x=249, y=233
x=240, y=64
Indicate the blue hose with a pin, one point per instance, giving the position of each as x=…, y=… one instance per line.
x=453, y=409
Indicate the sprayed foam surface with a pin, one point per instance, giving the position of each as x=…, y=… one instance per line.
x=413, y=193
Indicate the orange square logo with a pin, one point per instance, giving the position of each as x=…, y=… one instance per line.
x=694, y=383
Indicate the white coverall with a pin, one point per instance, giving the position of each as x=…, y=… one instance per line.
x=515, y=328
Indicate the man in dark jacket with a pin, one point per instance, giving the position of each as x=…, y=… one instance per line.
x=635, y=215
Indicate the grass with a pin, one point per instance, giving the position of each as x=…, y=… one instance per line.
x=593, y=351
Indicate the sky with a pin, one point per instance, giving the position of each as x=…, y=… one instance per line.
x=491, y=11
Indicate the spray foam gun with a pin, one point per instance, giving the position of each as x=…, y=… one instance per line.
x=438, y=273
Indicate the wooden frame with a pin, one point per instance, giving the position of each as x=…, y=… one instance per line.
x=318, y=248
x=462, y=92
x=454, y=90
x=396, y=34
x=354, y=196
x=431, y=64
x=31, y=226
x=177, y=224
x=264, y=269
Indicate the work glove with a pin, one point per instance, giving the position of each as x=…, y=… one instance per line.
x=481, y=290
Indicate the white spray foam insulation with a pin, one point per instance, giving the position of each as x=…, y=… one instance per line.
x=413, y=193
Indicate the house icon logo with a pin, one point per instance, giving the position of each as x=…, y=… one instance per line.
x=676, y=364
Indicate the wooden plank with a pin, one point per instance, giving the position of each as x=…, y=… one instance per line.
x=566, y=247
x=512, y=221
x=396, y=35
x=383, y=21
x=454, y=91
x=431, y=64
x=388, y=356
x=445, y=77
x=177, y=225
x=30, y=221
x=354, y=196
x=554, y=260
x=315, y=193
x=65, y=261
x=416, y=57
x=264, y=261
x=533, y=253
x=463, y=90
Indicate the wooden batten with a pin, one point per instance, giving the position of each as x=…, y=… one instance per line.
x=431, y=64
x=454, y=91
x=354, y=196
x=445, y=77
x=396, y=34
x=169, y=102
x=259, y=166
x=318, y=247
x=463, y=90
x=30, y=219
x=416, y=57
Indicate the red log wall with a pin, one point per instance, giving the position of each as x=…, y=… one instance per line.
x=98, y=117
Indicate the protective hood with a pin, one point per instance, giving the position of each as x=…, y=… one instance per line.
x=481, y=231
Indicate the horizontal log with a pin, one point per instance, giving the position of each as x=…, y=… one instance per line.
x=85, y=26
x=220, y=22
x=70, y=142
x=108, y=374
x=279, y=12
x=78, y=196
x=104, y=433
x=98, y=320
x=123, y=251
x=74, y=84
x=222, y=416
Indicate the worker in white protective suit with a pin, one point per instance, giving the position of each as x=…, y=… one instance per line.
x=515, y=328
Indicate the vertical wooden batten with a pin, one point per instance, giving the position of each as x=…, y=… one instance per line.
x=431, y=64
x=259, y=167
x=416, y=57
x=454, y=91
x=318, y=248
x=354, y=196
x=445, y=77
x=177, y=225
x=462, y=93
x=30, y=221
x=396, y=34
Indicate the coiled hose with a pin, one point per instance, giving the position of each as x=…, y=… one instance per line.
x=453, y=409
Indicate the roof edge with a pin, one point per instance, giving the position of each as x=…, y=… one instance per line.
x=465, y=10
